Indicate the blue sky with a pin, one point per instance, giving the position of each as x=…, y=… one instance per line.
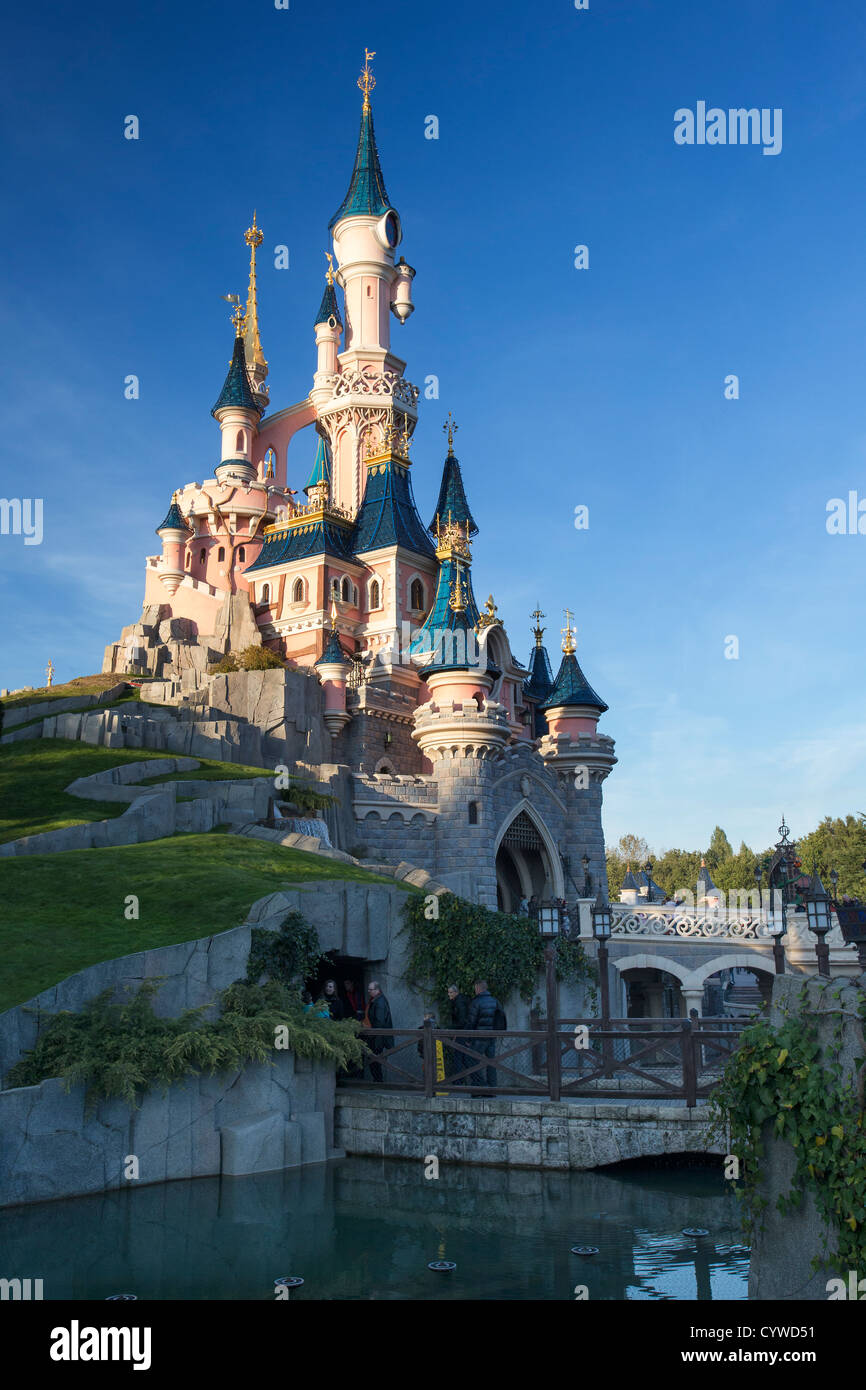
x=602, y=387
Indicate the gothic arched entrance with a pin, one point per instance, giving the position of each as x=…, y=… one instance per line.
x=527, y=864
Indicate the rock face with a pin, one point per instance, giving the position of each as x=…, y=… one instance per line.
x=784, y=1246
x=168, y=647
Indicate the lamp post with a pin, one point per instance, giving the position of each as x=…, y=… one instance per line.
x=834, y=879
x=648, y=870
x=601, y=929
x=777, y=926
x=818, y=916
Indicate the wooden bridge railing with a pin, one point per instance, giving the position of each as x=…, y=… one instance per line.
x=630, y=1059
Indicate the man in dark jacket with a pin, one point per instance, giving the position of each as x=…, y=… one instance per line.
x=455, y=1058
x=333, y=1001
x=379, y=1016
x=482, y=1012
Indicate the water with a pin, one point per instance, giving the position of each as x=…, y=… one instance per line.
x=366, y=1228
x=299, y=825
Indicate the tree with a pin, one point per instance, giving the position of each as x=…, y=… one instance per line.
x=837, y=844
x=719, y=849
x=631, y=849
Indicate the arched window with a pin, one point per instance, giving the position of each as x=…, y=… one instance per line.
x=202, y=556
x=240, y=445
x=416, y=595
x=221, y=553
x=347, y=590
x=374, y=594
x=473, y=813
x=298, y=591
x=242, y=554
x=335, y=588
x=188, y=558
x=266, y=593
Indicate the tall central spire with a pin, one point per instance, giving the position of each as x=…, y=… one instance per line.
x=367, y=194
x=256, y=363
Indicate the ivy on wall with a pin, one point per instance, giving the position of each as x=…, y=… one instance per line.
x=466, y=942
x=291, y=953
x=783, y=1077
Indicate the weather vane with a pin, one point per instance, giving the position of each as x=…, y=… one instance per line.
x=238, y=315
x=449, y=428
x=568, y=633
x=367, y=81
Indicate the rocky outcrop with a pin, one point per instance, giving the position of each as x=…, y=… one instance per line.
x=166, y=646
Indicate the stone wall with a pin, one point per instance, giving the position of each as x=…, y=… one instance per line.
x=254, y=1120
x=784, y=1246
x=20, y=714
x=532, y=1133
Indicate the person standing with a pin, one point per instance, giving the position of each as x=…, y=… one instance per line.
x=333, y=1001
x=482, y=1015
x=455, y=1057
x=354, y=1000
x=378, y=1016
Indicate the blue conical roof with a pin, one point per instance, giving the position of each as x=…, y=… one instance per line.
x=388, y=515
x=236, y=388
x=367, y=192
x=329, y=308
x=539, y=683
x=322, y=467
x=572, y=688
x=333, y=651
x=175, y=518
x=452, y=499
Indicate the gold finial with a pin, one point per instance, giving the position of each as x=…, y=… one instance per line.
x=568, y=643
x=49, y=673
x=329, y=273
x=367, y=81
x=237, y=313
x=333, y=615
x=538, y=629
x=256, y=364
x=457, y=601
x=449, y=428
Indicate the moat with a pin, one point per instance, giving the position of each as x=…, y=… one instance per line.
x=367, y=1228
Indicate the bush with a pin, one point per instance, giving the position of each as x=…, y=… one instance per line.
x=250, y=659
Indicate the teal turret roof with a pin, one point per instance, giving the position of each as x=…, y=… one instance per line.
x=572, y=688
x=333, y=651
x=329, y=308
x=538, y=686
x=629, y=882
x=367, y=194
x=324, y=536
x=175, y=519
x=452, y=499
x=451, y=634
x=388, y=515
x=322, y=467
x=236, y=388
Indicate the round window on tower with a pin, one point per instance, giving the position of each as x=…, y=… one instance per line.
x=388, y=229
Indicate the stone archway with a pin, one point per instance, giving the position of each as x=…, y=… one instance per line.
x=527, y=860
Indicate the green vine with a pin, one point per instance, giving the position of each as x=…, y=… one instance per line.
x=291, y=953
x=464, y=942
x=782, y=1078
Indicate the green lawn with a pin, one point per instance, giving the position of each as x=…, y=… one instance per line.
x=34, y=773
x=81, y=685
x=62, y=912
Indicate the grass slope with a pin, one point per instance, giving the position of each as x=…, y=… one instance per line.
x=63, y=912
x=34, y=773
x=80, y=685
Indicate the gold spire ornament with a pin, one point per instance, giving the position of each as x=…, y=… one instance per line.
x=488, y=618
x=457, y=601
x=367, y=81
x=538, y=629
x=253, y=236
x=49, y=673
x=329, y=273
x=237, y=313
x=568, y=643
x=450, y=429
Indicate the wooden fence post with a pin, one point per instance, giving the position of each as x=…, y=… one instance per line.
x=427, y=1053
x=554, y=1059
x=690, y=1076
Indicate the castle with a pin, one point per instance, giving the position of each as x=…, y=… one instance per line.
x=462, y=760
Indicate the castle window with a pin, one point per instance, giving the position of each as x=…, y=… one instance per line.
x=347, y=591
x=374, y=594
x=202, y=556
x=335, y=588
x=298, y=591
x=240, y=444
x=416, y=595
x=188, y=559
x=221, y=553
x=242, y=554
x=266, y=593
x=473, y=813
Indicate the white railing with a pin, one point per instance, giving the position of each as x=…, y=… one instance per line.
x=689, y=924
